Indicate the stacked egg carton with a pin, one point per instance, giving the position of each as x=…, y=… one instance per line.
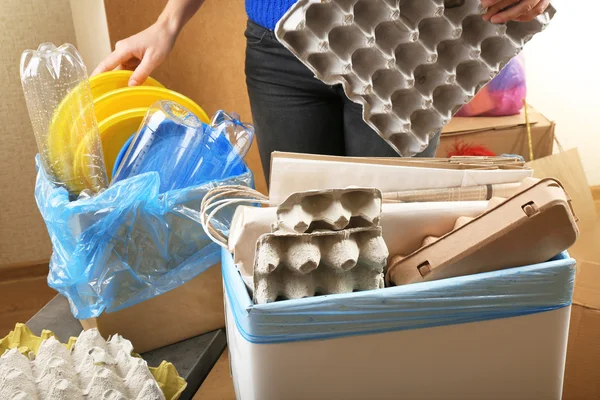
x=411, y=63
x=324, y=242
x=94, y=369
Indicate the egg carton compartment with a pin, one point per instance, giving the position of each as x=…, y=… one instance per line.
x=94, y=369
x=379, y=50
x=532, y=226
x=334, y=209
x=293, y=266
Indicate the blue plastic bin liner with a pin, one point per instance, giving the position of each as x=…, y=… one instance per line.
x=128, y=243
x=500, y=294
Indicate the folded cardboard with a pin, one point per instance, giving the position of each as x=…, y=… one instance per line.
x=529, y=228
x=473, y=193
x=385, y=174
x=189, y=310
x=502, y=135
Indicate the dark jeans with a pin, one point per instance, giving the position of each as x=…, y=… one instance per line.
x=294, y=111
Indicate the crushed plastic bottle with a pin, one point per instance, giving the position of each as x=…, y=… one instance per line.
x=184, y=151
x=61, y=109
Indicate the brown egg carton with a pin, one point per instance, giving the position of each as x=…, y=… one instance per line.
x=333, y=209
x=530, y=227
x=293, y=266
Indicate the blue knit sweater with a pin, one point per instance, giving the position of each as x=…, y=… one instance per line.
x=267, y=12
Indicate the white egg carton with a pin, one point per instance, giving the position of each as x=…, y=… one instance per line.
x=411, y=63
x=94, y=369
x=292, y=266
x=333, y=209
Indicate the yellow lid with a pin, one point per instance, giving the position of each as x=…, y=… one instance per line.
x=141, y=96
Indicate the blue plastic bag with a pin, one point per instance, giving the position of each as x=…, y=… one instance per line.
x=128, y=243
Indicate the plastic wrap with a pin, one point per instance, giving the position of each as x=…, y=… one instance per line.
x=504, y=95
x=60, y=104
x=500, y=294
x=128, y=243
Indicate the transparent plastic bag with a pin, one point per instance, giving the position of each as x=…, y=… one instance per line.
x=128, y=243
x=504, y=95
x=60, y=104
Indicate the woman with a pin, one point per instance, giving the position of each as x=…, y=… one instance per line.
x=291, y=110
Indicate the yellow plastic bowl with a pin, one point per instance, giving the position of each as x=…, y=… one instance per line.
x=127, y=98
x=114, y=132
x=119, y=113
x=108, y=81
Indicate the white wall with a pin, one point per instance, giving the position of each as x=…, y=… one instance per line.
x=563, y=77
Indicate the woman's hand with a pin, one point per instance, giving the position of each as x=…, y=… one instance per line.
x=142, y=52
x=500, y=11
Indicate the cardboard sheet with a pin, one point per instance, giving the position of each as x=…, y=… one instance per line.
x=329, y=173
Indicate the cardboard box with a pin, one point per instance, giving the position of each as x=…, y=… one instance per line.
x=192, y=309
x=582, y=371
x=502, y=135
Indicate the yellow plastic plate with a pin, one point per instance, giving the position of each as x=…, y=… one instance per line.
x=123, y=99
x=114, y=132
x=108, y=81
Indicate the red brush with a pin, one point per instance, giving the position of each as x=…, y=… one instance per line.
x=461, y=148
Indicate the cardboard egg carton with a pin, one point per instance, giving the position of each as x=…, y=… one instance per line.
x=411, y=63
x=530, y=227
x=93, y=369
x=333, y=209
x=293, y=266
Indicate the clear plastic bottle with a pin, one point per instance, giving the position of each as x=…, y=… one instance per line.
x=61, y=109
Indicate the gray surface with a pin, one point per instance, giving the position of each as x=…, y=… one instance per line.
x=193, y=358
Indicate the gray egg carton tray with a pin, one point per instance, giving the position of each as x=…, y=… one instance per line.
x=412, y=64
x=293, y=266
x=332, y=209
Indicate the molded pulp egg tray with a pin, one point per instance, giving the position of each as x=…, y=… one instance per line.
x=412, y=64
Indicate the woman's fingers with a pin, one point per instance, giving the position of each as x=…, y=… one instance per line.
x=143, y=71
x=497, y=7
x=501, y=11
x=514, y=12
x=118, y=57
x=541, y=7
x=489, y=3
